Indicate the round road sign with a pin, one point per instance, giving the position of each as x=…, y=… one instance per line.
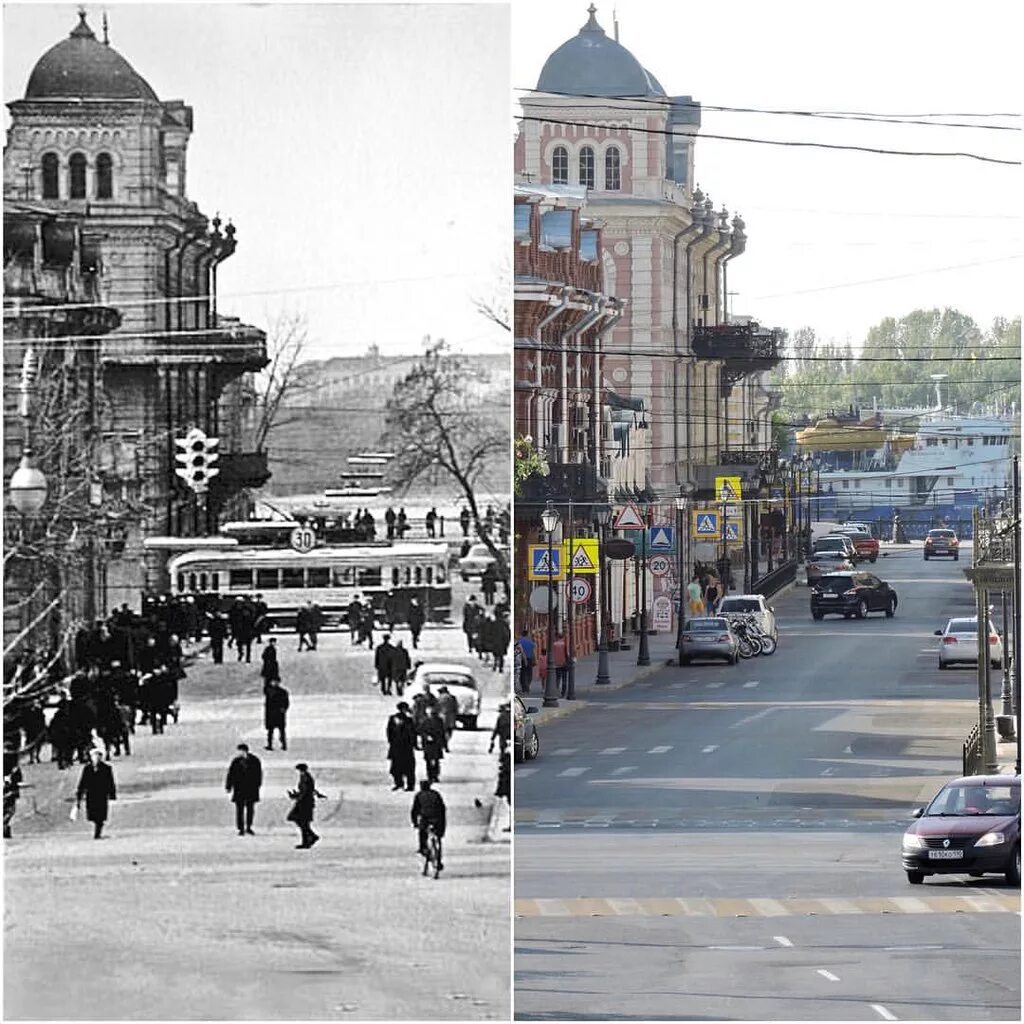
x=539, y=599
x=581, y=590
x=660, y=565
x=303, y=539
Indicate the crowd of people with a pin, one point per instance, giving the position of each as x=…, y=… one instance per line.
x=487, y=632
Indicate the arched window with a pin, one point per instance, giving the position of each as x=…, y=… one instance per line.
x=51, y=176
x=77, y=167
x=560, y=166
x=104, y=176
x=612, y=169
x=587, y=167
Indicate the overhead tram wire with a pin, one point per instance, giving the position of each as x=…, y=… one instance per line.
x=655, y=103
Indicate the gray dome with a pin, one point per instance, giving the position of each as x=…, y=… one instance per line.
x=591, y=64
x=84, y=68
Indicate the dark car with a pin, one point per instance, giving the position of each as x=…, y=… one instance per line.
x=972, y=827
x=852, y=593
x=836, y=542
x=822, y=562
x=940, y=543
x=526, y=742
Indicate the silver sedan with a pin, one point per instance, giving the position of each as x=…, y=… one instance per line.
x=708, y=638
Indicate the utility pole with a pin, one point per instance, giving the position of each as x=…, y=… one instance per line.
x=1016, y=598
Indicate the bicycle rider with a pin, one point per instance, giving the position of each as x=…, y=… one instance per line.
x=428, y=809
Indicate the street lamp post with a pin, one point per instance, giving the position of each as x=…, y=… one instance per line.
x=603, y=515
x=643, y=656
x=570, y=604
x=681, y=504
x=549, y=520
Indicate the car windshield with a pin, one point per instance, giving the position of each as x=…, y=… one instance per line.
x=828, y=556
x=478, y=551
x=706, y=624
x=974, y=798
x=835, y=584
x=739, y=604
x=448, y=679
x=962, y=626
x=830, y=544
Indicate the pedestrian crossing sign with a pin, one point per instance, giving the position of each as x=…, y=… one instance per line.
x=704, y=524
x=732, y=531
x=584, y=556
x=545, y=563
x=728, y=488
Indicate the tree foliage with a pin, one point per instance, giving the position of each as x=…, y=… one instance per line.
x=434, y=421
x=527, y=462
x=821, y=376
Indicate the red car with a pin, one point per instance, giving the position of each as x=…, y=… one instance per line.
x=971, y=827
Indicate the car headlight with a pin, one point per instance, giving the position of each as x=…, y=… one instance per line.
x=991, y=839
x=912, y=841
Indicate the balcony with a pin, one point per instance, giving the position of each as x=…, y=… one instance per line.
x=242, y=469
x=745, y=348
x=579, y=483
x=232, y=344
x=766, y=459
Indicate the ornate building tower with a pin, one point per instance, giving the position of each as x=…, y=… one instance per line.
x=93, y=145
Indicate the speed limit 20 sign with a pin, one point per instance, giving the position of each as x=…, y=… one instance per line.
x=660, y=565
x=581, y=590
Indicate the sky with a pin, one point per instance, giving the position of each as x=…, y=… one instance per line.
x=361, y=150
x=838, y=240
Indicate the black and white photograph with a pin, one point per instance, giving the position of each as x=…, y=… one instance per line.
x=257, y=512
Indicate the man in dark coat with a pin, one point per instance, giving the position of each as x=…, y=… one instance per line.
x=261, y=617
x=384, y=663
x=270, y=668
x=242, y=629
x=471, y=613
x=428, y=809
x=448, y=709
x=316, y=623
x=355, y=619
x=218, y=630
x=305, y=796
x=392, y=609
x=433, y=740
x=96, y=787
x=400, y=665
x=366, y=624
x=401, y=735
x=464, y=519
x=245, y=776
x=302, y=627
x=502, y=731
x=275, y=712
x=416, y=617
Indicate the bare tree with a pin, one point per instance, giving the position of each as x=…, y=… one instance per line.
x=283, y=377
x=496, y=310
x=434, y=421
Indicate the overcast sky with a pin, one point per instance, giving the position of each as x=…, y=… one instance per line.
x=361, y=150
x=821, y=222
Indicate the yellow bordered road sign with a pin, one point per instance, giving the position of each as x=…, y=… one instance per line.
x=584, y=556
x=545, y=564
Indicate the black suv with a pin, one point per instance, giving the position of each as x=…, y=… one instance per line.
x=851, y=593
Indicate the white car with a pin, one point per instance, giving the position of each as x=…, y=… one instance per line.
x=460, y=682
x=959, y=643
x=866, y=527
x=751, y=604
x=476, y=561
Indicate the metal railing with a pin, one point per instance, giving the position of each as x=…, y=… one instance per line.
x=972, y=752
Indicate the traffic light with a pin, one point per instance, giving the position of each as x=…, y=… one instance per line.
x=196, y=456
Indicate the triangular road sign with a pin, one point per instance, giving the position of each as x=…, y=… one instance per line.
x=581, y=559
x=628, y=518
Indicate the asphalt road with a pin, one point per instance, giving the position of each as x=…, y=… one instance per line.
x=722, y=842
x=174, y=916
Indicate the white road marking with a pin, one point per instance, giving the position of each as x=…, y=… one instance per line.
x=710, y=750
x=573, y=772
x=736, y=949
x=837, y=906
x=883, y=1012
x=564, y=752
x=523, y=772
x=782, y=940
x=715, y=686
x=828, y=771
x=659, y=750
x=752, y=718
x=752, y=684
x=911, y=904
x=614, y=750
x=622, y=771
x=907, y=949
x=769, y=908
x=828, y=974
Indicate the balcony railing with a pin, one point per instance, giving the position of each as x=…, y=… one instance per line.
x=747, y=347
x=565, y=482
x=767, y=459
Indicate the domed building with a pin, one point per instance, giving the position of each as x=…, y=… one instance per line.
x=601, y=121
x=96, y=209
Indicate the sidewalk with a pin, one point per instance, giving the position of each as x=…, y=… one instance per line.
x=622, y=670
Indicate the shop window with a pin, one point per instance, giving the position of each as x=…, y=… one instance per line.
x=51, y=176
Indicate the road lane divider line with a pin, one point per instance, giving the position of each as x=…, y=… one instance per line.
x=827, y=974
x=659, y=750
x=838, y=906
x=752, y=684
x=782, y=940
x=623, y=770
x=571, y=773
x=883, y=1012
x=614, y=750
x=710, y=749
x=715, y=686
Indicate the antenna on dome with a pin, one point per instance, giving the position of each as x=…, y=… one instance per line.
x=106, y=40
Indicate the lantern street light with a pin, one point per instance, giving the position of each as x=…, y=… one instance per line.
x=550, y=520
x=682, y=530
x=602, y=515
x=28, y=487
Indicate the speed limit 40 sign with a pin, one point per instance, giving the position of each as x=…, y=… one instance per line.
x=660, y=565
x=581, y=590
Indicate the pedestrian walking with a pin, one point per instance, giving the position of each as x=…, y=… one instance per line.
x=275, y=713
x=218, y=630
x=448, y=709
x=560, y=660
x=242, y=628
x=389, y=520
x=400, y=665
x=245, y=776
x=431, y=522
x=302, y=626
x=464, y=519
x=529, y=649
x=305, y=796
x=12, y=787
x=270, y=668
x=433, y=740
x=695, y=597
x=489, y=582
x=392, y=610
x=316, y=623
x=416, y=618
x=502, y=731
x=366, y=624
x=401, y=524
x=96, y=788
x=384, y=663
x=711, y=595
x=401, y=736
x=354, y=617
x=471, y=614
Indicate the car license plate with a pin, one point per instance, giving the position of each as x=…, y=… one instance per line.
x=827, y=597
x=945, y=854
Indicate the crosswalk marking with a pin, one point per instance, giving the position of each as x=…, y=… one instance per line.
x=573, y=772
x=710, y=749
x=716, y=686
x=659, y=750
x=622, y=771
x=523, y=772
x=613, y=750
x=996, y=903
x=564, y=752
x=752, y=684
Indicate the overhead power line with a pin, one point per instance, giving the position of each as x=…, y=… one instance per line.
x=782, y=142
